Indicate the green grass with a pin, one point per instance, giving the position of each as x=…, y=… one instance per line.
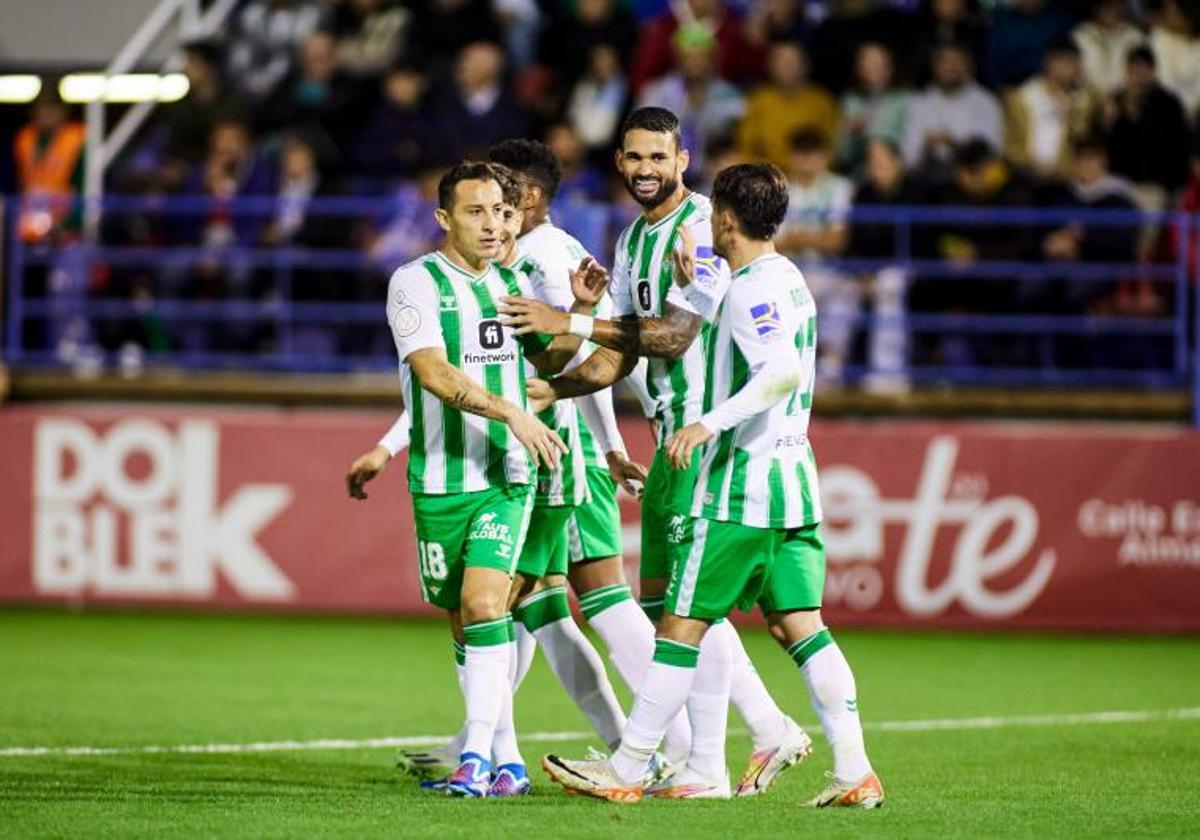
x=115, y=680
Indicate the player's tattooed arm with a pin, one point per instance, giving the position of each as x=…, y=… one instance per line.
x=667, y=337
x=598, y=371
x=453, y=387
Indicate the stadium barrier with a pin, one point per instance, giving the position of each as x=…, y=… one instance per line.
x=240, y=305
x=967, y=525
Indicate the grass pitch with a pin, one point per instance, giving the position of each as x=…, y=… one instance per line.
x=127, y=681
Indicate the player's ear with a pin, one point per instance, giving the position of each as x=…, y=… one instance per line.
x=684, y=160
x=533, y=197
x=443, y=219
x=617, y=159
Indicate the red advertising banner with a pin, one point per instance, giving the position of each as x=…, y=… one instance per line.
x=927, y=524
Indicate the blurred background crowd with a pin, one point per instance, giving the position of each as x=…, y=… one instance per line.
x=865, y=104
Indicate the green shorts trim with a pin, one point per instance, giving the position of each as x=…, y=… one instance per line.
x=666, y=515
x=732, y=566
x=546, y=545
x=459, y=530
x=594, y=530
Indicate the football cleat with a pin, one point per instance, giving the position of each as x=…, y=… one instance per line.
x=767, y=764
x=427, y=765
x=509, y=780
x=689, y=784
x=867, y=792
x=436, y=785
x=591, y=778
x=472, y=778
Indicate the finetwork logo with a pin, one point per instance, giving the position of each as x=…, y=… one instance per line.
x=159, y=532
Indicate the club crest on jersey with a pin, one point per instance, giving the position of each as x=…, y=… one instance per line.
x=491, y=334
x=766, y=318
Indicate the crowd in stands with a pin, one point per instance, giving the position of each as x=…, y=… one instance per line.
x=863, y=103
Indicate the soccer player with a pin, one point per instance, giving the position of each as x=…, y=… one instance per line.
x=655, y=316
x=543, y=612
x=470, y=472
x=755, y=501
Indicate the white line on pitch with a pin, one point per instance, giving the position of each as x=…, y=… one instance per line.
x=936, y=724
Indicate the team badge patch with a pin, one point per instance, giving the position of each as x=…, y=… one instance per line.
x=766, y=318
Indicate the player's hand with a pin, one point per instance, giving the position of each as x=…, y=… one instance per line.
x=543, y=445
x=533, y=316
x=629, y=474
x=539, y=395
x=365, y=468
x=685, y=258
x=681, y=445
x=589, y=282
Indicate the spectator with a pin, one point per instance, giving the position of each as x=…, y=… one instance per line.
x=954, y=109
x=318, y=97
x=783, y=106
x=886, y=184
x=769, y=21
x=1189, y=203
x=1093, y=187
x=1104, y=41
x=477, y=111
x=944, y=22
x=873, y=108
x=189, y=122
x=580, y=180
x=48, y=152
x=981, y=179
x=707, y=106
x=442, y=29
x=399, y=139
x=735, y=59
x=597, y=102
x=815, y=233
x=230, y=170
x=370, y=35
x=264, y=38
x=1050, y=113
x=1145, y=116
x=574, y=31
x=851, y=24
x=1175, y=39
x=1022, y=31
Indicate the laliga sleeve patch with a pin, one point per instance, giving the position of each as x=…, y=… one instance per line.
x=407, y=319
x=767, y=322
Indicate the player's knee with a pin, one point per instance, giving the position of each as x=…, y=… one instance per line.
x=787, y=628
x=483, y=605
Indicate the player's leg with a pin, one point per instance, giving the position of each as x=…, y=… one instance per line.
x=686, y=671
x=792, y=604
x=441, y=525
x=666, y=532
x=545, y=613
x=495, y=536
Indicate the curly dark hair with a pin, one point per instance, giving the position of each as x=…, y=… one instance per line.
x=533, y=160
x=756, y=194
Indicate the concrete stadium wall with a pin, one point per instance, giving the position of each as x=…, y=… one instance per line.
x=979, y=525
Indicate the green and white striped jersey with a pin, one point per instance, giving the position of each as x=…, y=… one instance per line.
x=434, y=303
x=761, y=472
x=643, y=282
x=547, y=255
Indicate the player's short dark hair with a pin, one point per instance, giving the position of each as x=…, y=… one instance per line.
x=756, y=194
x=809, y=139
x=533, y=160
x=658, y=120
x=469, y=170
x=512, y=185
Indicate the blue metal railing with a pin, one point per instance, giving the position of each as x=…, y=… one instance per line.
x=264, y=317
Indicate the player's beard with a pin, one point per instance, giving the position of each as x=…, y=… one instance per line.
x=668, y=186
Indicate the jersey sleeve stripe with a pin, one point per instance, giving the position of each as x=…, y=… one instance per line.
x=453, y=423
